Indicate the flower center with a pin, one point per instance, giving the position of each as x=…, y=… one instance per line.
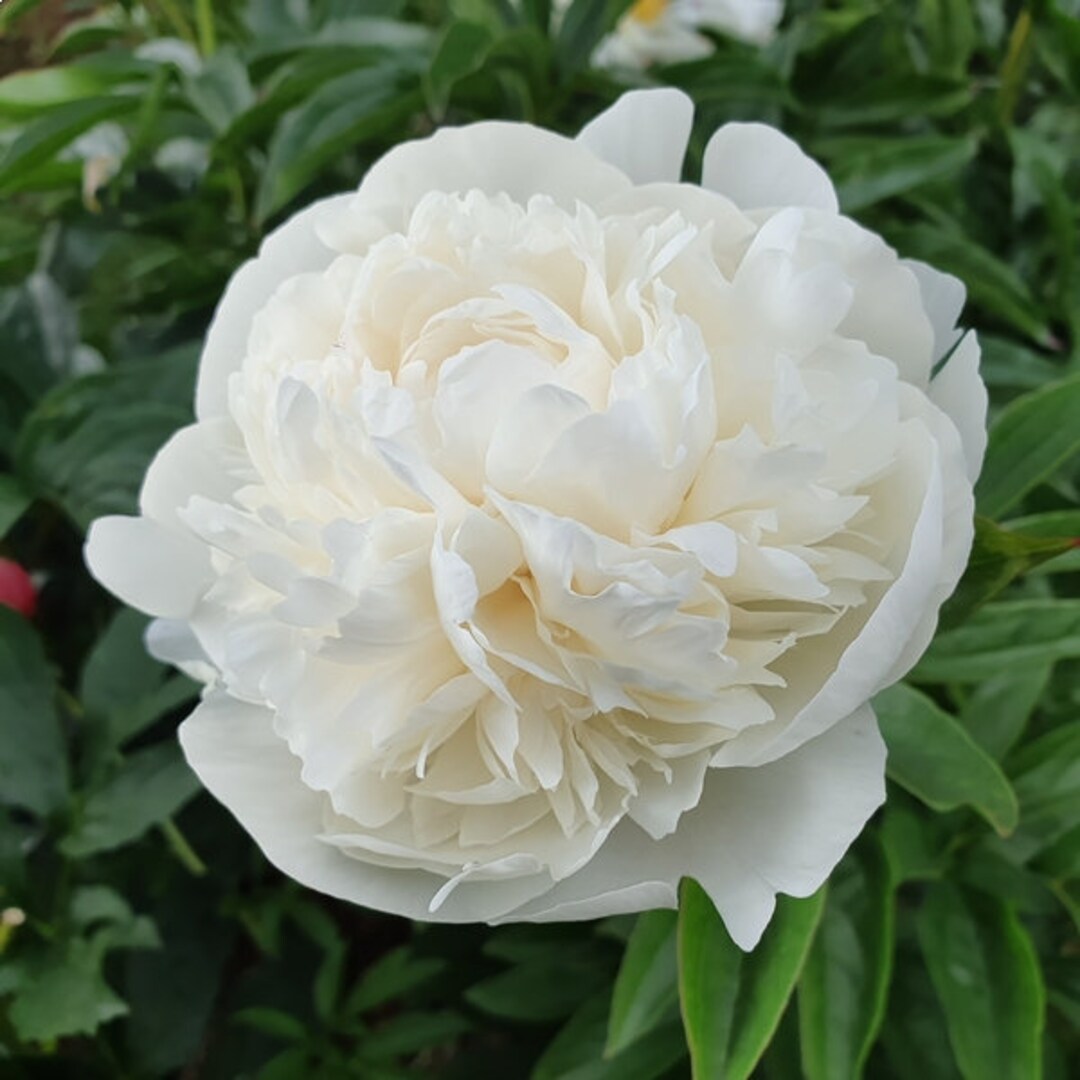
x=648, y=11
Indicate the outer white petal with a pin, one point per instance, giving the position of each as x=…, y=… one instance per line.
x=756, y=832
x=960, y=393
x=943, y=299
x=644, y=134
x=195, y=461
x=232, y=747
x=294, y=248
x=958, y=530
x=157, y=570
x=517, y=159
x=758, y=167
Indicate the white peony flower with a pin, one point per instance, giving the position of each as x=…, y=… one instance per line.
x=548, y=523
x=667, y=31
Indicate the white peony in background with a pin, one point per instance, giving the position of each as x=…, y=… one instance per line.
x=549, y=523
x=669, y=31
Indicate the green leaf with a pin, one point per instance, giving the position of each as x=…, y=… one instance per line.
x=33, y=761
x=13, y=503
x=339, y=116
x=986, y=974
x=999, y=708
x=221, y=91
x=583, y=24
x=538, y=12
x=98, y=30
x=950, y=33
x=280, y=1025
x=998, y=557
x=1054, y=523
x=150, y=786
x=914, y=1036
x=1000, y=636
x=28, y=93
x=1047, y=781
x=291, y=1064
x=379, y=36
x=44, y=137
x=411, y=1032
x=123, y=685
x=992, y=284
x=119, y=670
x=543, y=989
x=137, y=933
x=867, y=169
x=326, y=985
x=1037, y=169
x=64, y=993
x=522, y=943
x=40, y=334
x=844, y=986
x=1059, y=860
x=99, y=903
x=932, y=756
x=732, y=1001
x=892, y=98
x=1029, y=441
x=298, y=79
x=461, y=52
x=577, y=1052
x=175, y=989
x=1006, y=363
x=745, y=80
x=392, y=976
x=914, y=842
x=87, y=444
x=996, y=867
x=647, y=985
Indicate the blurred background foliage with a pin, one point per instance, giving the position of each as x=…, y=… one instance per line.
x=145, y=148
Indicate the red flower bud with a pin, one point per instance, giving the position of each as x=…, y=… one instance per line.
x=16, y=589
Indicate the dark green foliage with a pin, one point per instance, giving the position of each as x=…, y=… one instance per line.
x=145, y=150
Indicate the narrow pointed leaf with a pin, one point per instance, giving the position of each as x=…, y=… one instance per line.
x=1002, y=636
x=998, y=709
x=998, y=557
x=33, y=763
x=647, y=984
x=986, y=974
x=845, y=983
x=932, y=756
x=732, y=1001
x=461, y=52
x=577, y=1051
x=45, y=136
x=1033, y=437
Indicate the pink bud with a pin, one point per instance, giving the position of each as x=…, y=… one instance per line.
x=16, y=589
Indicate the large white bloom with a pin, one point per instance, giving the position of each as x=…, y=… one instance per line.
x=548, y=523
x=668, y=31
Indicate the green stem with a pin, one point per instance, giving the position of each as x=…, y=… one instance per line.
x=1015, y=66
x=235, y=181
x=204, y=23
x=184, y=852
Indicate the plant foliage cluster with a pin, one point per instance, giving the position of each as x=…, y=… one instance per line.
x=144, y=150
